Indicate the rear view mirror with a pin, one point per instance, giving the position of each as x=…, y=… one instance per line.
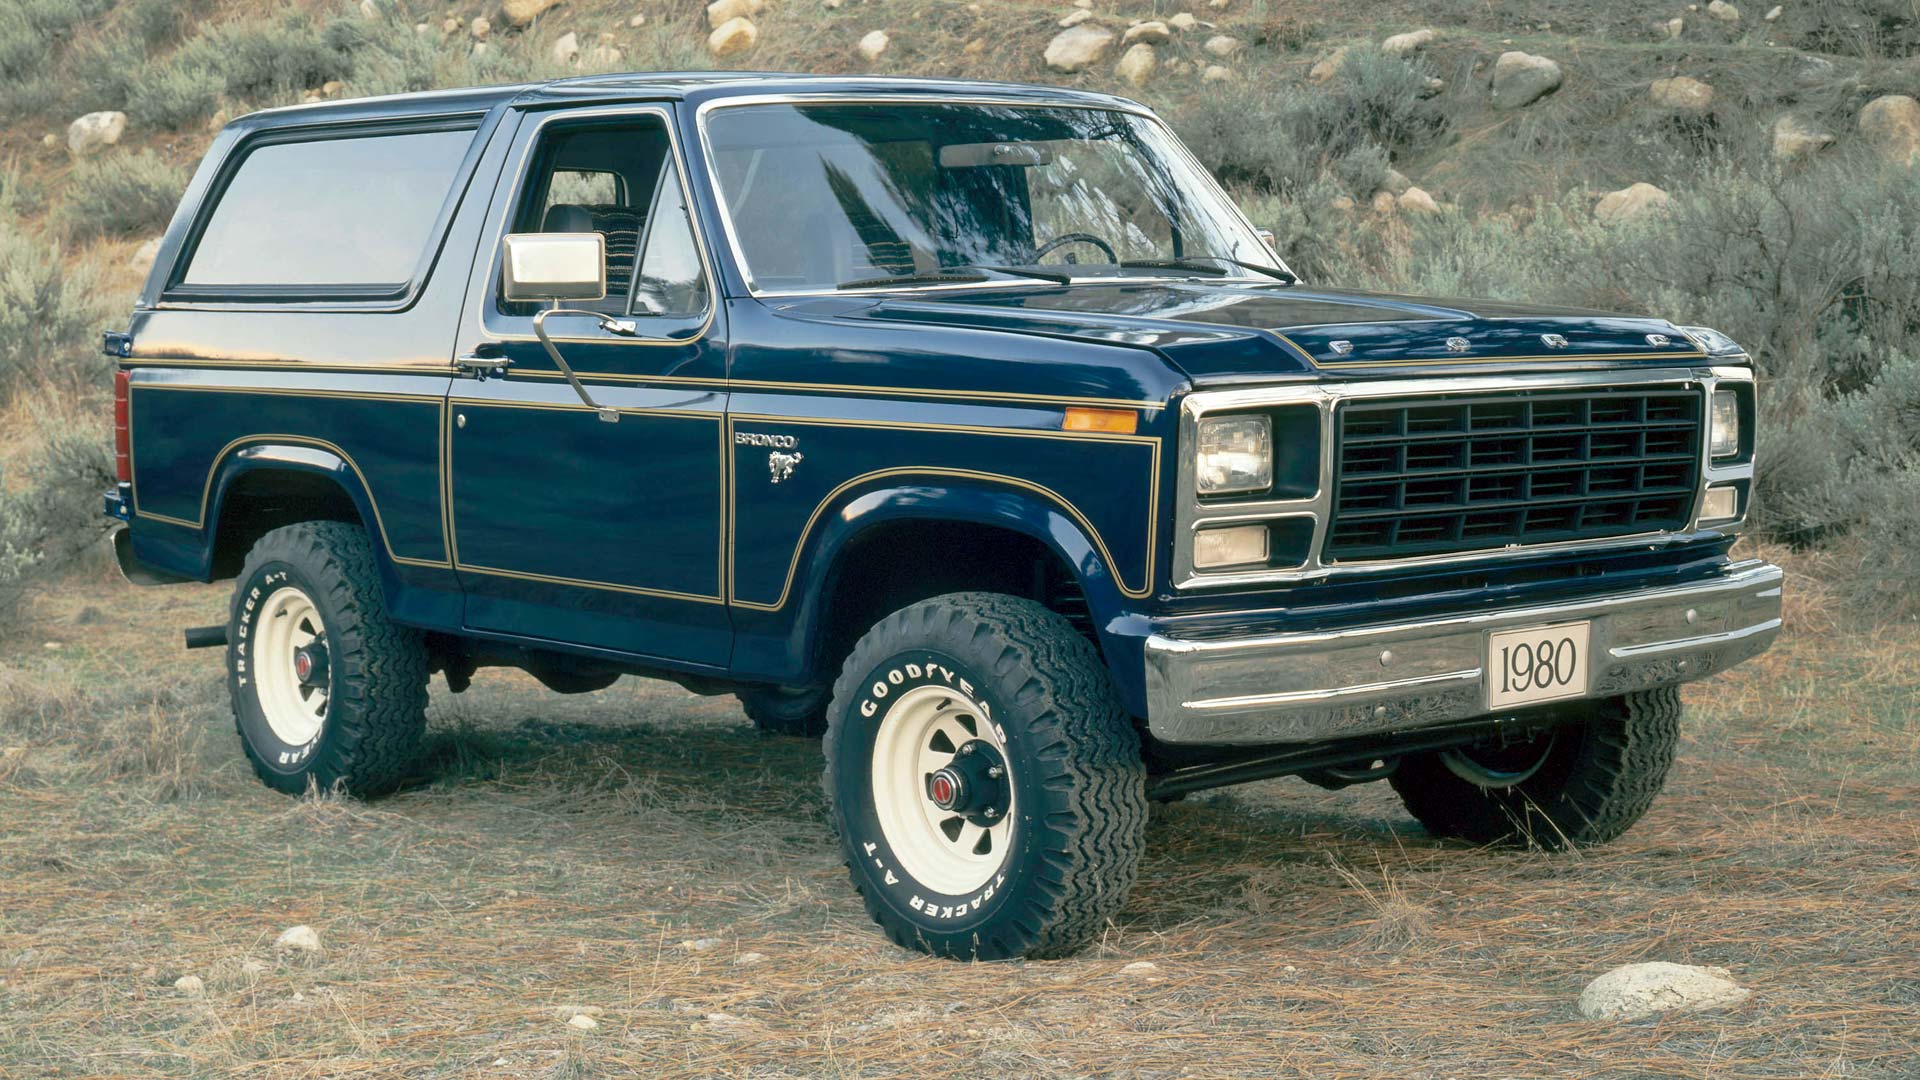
x=982, y=155
x=554, y=266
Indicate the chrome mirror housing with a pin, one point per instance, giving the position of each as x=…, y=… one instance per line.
x=554, y=266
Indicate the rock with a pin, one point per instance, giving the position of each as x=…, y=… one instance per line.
x=422, y=29
x=190, y=985
x=49, y=140
x=582, y=1021
x=253, y=969
x=1078, y=48
x=1405, y=44
x=723, y=1021
x=1222, y=45
x=1636, y=991
x=1383, y=202
x=705, y=944
x=639, y=20
x=1217, y=73
x=301, y=938
x=480, y=27
x=1630, y=202
x=1076, y=17
x=566, y=51
x=720, y=12
x=604, y=56
x=95, y=130
x=1810, y=71
x=1675, y=27
x=1083, y=3
x=1435, y=87
x=1342, y=203
x=1417, y=201
x=873, y=46
x=1773, y=13
x=1151, y=32
x=732, y=37
x=1724, y=11
x=748, y=959
x=480, y=49
x=568, y=1012
x=1183, y=22
x=1328, y=66
x=451, y=25
x=1681, y=94
x=521, y=13
x=1890, y=124
x=1397, y=182
x=1137, y=64
x=1141, y=969
x=974, y=47
x=370, y=9
x=1793, y=140
x=1520, y=79
x=144, y=256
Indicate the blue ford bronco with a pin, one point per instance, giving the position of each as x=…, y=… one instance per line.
x=970, y=426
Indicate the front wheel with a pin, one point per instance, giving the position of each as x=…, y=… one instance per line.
x=987, y=786
x=1581, y=783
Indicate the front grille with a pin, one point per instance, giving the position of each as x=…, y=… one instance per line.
x=1440, y=475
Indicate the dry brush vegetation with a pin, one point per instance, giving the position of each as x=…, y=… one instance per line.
x=562, y=853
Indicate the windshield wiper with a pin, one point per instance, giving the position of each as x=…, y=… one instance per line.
x=1016, y=271
x=942, y=277
x=1200, y=264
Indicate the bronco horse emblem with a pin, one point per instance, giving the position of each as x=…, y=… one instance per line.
x=782, y=465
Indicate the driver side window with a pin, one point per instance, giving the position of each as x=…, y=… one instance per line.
x=619, y=179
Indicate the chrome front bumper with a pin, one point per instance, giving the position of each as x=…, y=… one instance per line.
x=1309, y=687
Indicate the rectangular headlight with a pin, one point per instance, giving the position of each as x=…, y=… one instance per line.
x=1239, y=545
x=1235, y=454
x=1723, y=436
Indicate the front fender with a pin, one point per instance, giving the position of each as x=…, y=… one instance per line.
x=1055, y=523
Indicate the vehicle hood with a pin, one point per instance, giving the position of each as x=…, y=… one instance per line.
x=1229, y=332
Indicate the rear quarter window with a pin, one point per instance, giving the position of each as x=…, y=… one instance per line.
x=328, y=213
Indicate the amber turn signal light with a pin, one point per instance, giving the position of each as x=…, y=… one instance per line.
x=1112, y=421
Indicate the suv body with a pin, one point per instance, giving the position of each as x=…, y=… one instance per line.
x=1247, y=527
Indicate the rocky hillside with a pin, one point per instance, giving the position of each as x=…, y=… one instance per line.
x=1755, y=169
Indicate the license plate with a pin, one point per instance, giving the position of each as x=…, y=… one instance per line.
x=1540, y=663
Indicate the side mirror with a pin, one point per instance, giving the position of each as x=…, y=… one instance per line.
x=554, y=266
x=1266, y=237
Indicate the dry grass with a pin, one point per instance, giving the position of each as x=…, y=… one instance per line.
x=641, y=853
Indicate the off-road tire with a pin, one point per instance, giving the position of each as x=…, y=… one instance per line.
x=776, y=710
x=1603, y=771
x=1079, y=783
x=376, y=709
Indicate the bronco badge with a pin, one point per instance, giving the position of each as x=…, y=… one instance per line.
x=782, y=465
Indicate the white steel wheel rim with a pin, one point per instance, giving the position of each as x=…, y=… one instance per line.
x=294, y=711
x=920, y=733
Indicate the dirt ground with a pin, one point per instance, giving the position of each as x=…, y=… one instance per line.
x=643, y=855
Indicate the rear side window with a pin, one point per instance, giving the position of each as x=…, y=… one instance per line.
x=329, y=213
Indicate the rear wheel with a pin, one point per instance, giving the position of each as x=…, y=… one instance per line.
x=987, y=787
x=1580, y=783
x=326, y=689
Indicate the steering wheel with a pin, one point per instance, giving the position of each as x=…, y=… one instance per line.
x=1064, y=239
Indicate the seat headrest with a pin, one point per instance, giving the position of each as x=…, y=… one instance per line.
x=566, y=218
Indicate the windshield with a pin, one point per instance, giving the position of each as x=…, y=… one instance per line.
x=868, y=195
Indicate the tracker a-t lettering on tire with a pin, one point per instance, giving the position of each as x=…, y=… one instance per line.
x=1034, y=493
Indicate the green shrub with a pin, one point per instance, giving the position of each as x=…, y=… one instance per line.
x=31, y=31
x=124, y=194
x=260, y=60
x=174, y=97
x=47, y=311
x=51, y=514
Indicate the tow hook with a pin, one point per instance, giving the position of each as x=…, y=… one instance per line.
x=207, y=637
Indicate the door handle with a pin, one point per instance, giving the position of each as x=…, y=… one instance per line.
x=483, y=367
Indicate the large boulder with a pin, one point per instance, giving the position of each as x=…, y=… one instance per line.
x=95, y=131
x=521, y=13
x=1637, y=991
x=1137, y=64
x=566, y=51
x=1890, y=124
x=1410, y=42
x=1681, y=94
x=1078, y=48
x=1222, y=45
x=1520, y=79
x=732, y=37
x=1793, y=140
x=1631, y=202
x=1724, y=11
x=873, y=46
x=1151, y=32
